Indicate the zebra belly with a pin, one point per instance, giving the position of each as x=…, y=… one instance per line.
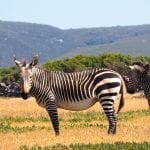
x=78, y=105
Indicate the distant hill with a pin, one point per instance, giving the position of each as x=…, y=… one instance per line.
x=26, y=39
x=135, y=46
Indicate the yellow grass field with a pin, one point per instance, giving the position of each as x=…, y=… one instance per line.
x=135, y=129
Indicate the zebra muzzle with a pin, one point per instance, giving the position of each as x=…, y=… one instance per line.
x=26, y=88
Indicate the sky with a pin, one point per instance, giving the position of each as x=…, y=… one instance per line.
x=66, y=14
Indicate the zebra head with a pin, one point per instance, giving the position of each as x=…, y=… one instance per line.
x=26, y=71
x=142, y=72
x=132, y=86
x=140, y=68
x=137, y=70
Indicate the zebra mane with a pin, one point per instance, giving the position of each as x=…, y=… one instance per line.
x=138, y=64
x=40, y=67
x=141, y=66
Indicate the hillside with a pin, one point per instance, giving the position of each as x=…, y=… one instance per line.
x=135, y=46
x=26, y=39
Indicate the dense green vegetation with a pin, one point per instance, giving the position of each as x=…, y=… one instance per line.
x=80, y=62
x=8, y=74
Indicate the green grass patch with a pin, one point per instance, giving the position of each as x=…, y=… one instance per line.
x=100, y=116
x=23, y=119
x=6, y=127
x=67, y=121
x=85, y=116
x=78, y=117
x=133, y=114
x=102, y=146
x=82, y=125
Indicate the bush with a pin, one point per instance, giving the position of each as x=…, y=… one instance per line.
x=9, y=74
x=81, y=62
x=78, y=63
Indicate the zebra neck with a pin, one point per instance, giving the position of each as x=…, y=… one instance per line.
x=40, y=81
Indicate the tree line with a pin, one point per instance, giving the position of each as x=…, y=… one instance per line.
x=77, y=63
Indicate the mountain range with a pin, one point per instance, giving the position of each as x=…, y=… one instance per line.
x=27, y=39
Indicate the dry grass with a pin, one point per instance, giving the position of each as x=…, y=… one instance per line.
x=132, y=130
x=19, y=107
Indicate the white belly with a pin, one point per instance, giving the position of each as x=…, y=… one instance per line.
x=77, y=106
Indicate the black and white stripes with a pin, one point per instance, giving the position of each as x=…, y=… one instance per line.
x=73, y=91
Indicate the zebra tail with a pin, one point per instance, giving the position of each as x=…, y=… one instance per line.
x=121, y=103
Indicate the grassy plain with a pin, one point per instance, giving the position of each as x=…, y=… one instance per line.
x=24, y=124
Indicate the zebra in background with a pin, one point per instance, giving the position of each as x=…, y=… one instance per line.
x=72, y=91
x=141, y=78
x=136, y=78
x=131, y=83
x=130, y=79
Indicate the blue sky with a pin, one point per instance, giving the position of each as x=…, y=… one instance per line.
x=66, y=14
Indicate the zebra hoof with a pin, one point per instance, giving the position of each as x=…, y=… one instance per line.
x=57, y=134
x=112, y=131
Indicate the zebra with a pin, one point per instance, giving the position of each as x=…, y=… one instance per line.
x=75, y=91
x=131, y=84
x=141, y=78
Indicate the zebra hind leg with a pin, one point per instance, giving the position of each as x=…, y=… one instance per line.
x=108, y=107
x=53, y=114
x=112, y=123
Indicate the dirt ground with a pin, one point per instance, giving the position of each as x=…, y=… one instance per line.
x=136, y=129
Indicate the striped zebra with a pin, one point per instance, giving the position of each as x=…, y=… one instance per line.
x=141, y=73
x=72, y=91
x=130, y=79
x=132, y=85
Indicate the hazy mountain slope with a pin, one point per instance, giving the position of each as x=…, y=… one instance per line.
x=26, y=39
x=133, y=46
x=105, y=35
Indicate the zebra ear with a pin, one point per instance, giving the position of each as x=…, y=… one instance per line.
x=126, y=78
x=137, y=68
x=131, y=67
x=18, y=63
x=35, y=60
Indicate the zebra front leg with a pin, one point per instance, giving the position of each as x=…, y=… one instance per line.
x=53, y=114
x=149, y=103
x=148, y=99
x=108, y=107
